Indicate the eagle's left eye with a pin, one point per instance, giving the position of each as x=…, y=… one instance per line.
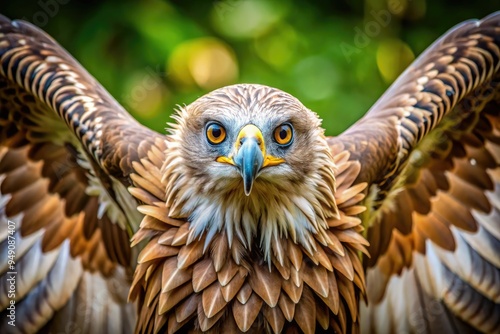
x=215, y=133
x=283, y=134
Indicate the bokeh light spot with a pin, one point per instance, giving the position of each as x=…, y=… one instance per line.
x=246, y=18
x=393, y=56
x=206, y=62
x=315, y=77
x=145, y=93
x=277, y=48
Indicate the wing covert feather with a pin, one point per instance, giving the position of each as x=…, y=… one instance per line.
x=66, y=152
x=430, y=148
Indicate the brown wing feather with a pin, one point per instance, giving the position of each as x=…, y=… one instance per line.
x=56, y=259
x=65, y=147
x=430, y=148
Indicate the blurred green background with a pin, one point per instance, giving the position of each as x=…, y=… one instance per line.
x=337, y=57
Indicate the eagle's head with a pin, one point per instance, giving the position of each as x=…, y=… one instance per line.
x=252, y=161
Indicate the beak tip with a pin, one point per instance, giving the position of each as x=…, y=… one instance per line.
x=247, y=185
x=249, y=160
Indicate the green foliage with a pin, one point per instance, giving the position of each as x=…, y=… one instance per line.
x=337, y=58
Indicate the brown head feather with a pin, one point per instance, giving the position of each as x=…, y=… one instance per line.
x=251, y=258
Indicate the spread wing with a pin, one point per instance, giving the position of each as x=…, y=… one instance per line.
x=66, y=149
x=430, y=148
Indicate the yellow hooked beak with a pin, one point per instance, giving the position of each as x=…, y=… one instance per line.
x=249, y=155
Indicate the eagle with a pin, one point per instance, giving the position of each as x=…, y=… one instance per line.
x=245, y=217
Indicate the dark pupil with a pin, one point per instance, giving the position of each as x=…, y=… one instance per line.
x=283, y=133
x=216, y=131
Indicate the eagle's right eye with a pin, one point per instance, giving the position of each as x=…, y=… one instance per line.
x=215, y=133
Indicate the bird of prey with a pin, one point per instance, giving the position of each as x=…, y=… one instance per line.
x=245, y=217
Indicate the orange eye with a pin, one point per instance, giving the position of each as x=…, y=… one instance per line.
x=283, y=134
x=215, y=133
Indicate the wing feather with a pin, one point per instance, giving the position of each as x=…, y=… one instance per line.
x=66, y=153
x=433, y=164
